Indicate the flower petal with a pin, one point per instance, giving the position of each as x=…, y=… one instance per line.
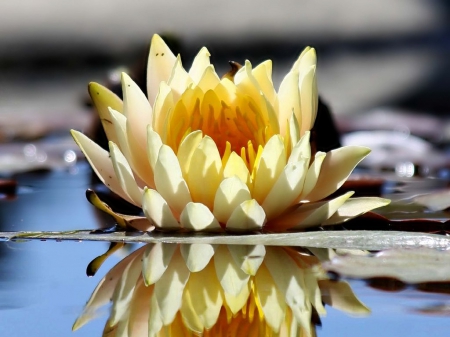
x=158, y=211
x=263, y=76
x=124, y=291
x=160, y=63
x=186, y=150
x=154, y=144
x=120, y=128
x=230, y=194
x=237, y=303
x=139, y=310
x=197, y=255
x=231, y=277
x=289, y=280
x=104, y=290
x=248, y=216
x=104, y=99
x=205, y=177
x=100, y=162
x=164, y=103
x=289, y=100
x=286, y=189
x=235, y=166
x=308, y=98
x=169, y=288
x=155, y=261
x=169, y=180
x=155, y=323
x=271, y=164
x=313, y=174
x=209, y=79
x=272, y=302
x=198, y=217
x=179, y=79
x=340, y=296
x=200, y=63
x=354, y=207
x=125, y=175
x=336, y=167
x=202, y=300
x=301, y=149
x=247, y=257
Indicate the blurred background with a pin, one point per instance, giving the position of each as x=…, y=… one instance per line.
x=382, y=65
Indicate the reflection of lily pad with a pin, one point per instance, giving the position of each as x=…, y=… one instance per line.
x=408, y=265
x=368, y=240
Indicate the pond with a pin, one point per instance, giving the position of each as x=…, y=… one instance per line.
x=44, y=287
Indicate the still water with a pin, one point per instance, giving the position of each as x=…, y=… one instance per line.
x=43, y=285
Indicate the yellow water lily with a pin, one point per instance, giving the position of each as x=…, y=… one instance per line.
x=216, y=290
x=204, y=153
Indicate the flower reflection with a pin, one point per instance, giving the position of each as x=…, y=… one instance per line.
x=216, y=290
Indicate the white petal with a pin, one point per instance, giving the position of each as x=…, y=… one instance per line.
x=248, y=258
x=198, y=217
x=231, y=277
x=236, y=303
x=100, y=162
x=197, y=255
x=120, y=128
x=125, y=175
x=340, y=296
x=209, y=79
x=169, y=288
x=155, y=323
x=200, y=63
x=158, y=211
x=309, y=98
x=235, y=166
x=248, y=216
x=354, y=207
x=301, y=149
x=179, y=79
x=160, y=63
x=286, y=189
x=164, y=103
x=336, y=167
x=155, y=261
x=169, y=180
x=230, y=194
x=154, y=144
x=289, y=100
x=139, y=310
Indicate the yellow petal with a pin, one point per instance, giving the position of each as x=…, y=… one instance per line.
x=197, y=255
x=160, y=63
x=247, y=257
x=169, y=288
x=200, y=63
x=202, y=300
x=230, y=194
x=169, y=180
x=336, y=167
x=104, y=290
x=125, y=175
x=139, y=310
x=120, y=128
x=271, y=164
x=155, y=261
x=263, y=76
x=289, y=280
x=301, y=150
x=272, y=302
x=289, y=100
x=100, y=162
x=313, y=174
x=209, y=79
x=354, y=207
x=231, y=277
x=198, y=217
x=308, y=98
x=179, y=79
x=235, y=166
x=313, y=291
x=286, y=189
x=158, y=211
x=104, y=99
x=124, y=291
x=164, y=103
x=236, y=303
x=204, y=178
x=186, y=150
x=248, y=216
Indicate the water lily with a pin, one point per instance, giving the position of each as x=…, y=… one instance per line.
x=201, y=152
x=216, y=290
